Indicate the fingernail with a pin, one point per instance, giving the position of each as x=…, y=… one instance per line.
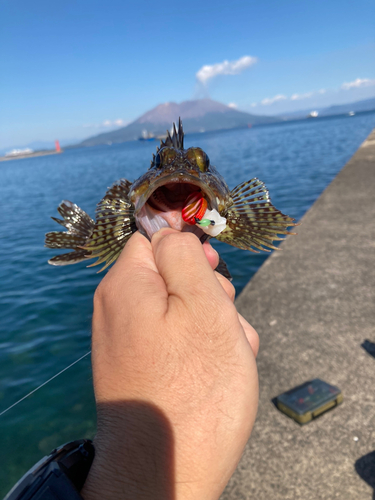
x=159, y=235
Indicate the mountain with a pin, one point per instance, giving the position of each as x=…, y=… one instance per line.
x=337, y=109
x=357, y=107
x=198, y=116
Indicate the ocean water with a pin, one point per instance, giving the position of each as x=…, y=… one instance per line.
x=45, y=311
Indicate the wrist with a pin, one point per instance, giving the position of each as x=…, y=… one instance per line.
x=133, y=454
x=135, y=458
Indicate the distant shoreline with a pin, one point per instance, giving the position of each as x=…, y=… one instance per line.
x=256, y=125
x=29, y=155
x=112, y=141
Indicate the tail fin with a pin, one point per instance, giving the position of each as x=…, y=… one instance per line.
x=80, y=227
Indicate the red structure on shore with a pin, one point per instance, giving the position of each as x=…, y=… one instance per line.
x=57, y=145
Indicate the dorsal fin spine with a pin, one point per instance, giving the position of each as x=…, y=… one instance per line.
x=175, y=141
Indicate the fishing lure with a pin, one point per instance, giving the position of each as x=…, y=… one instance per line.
x=196, y=212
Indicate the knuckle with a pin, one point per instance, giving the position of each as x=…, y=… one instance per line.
x=231, y=291
x=227, y=286
x=100, y=293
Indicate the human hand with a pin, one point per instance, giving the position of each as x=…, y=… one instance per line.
x=174, y=371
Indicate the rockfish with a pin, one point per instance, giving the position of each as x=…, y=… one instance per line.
x=181, y=190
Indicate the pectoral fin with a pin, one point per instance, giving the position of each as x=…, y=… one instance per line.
x=114, y=225
x=79, y=227
x=253, y=223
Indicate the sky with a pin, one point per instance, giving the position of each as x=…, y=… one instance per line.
x=73, y=69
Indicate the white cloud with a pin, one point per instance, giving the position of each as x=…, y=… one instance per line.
x=225, y=68
x=355, y=84
x=270, y=100
x=232, y=105
x=294, y=97
x=359, y=82
x=107, y=123
x=298, y=97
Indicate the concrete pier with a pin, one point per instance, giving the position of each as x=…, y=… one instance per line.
x=30, y=155
x=313, y=305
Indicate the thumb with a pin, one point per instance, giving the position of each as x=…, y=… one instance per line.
x=182, y=263
x=134, y=279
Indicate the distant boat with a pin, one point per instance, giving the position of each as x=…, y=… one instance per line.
x=162, y=137
x=313, y=114
x=249, y=125
x=146, y=136
x=351, y=113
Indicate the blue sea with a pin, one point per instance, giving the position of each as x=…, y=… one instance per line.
x=45, y=311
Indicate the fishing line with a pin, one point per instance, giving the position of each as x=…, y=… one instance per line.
x=44, y=383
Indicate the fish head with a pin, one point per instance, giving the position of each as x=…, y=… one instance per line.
x=175, y=174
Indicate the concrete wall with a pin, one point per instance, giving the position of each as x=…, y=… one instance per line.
x=313, y=305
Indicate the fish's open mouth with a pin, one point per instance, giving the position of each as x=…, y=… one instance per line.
x=162, y=206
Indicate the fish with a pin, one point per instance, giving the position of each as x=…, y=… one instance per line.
x=179, y=188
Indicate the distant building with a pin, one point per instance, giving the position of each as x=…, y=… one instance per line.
x=19, y=152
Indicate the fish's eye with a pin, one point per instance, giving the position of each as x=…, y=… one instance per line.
x=165, y=156
x=157, y=161
x=199, y=157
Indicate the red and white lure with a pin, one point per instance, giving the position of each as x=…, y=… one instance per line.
x=195, y=213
